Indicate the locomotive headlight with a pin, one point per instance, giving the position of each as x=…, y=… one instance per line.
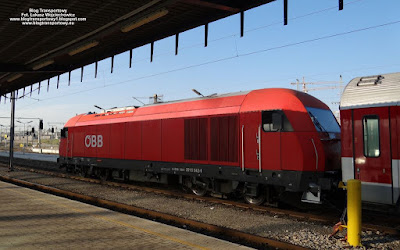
x=360, y=161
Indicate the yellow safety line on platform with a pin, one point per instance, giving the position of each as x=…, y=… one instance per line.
x=119, y=222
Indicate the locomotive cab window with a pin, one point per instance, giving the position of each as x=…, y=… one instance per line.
x=371, y=136
x=64, y=133
x=276, y=120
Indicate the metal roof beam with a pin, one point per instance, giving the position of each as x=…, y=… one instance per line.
x=24, y=64
x=17, y=68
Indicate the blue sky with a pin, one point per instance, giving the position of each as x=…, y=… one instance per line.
x=231, y=63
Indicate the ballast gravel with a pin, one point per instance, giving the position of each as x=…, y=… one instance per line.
x=301, y=233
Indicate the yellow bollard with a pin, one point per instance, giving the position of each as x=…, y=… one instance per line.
x=354, y=212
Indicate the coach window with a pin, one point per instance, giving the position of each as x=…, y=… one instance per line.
x=371, y=136
x=276, y=120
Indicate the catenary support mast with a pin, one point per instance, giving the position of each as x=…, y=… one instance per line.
x=12, y=126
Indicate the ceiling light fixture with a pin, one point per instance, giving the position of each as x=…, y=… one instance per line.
x=14, y=77
x=83, y=48
x=147, y=19
x=42, y=64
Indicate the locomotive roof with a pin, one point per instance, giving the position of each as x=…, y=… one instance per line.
x=372, y=91
x=213, y=96
x=233, y=103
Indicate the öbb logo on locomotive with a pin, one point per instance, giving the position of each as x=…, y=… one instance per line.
x=94, y=141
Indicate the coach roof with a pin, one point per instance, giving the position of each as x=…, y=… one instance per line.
x=372, y=91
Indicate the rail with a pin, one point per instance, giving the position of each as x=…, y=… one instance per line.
x=238, y=236
x=370, y=223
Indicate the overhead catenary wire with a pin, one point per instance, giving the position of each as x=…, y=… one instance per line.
x=281, y=79
x=322, y=38
x=233, y=57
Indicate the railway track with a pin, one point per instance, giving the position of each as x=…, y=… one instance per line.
x=218, y=231
x=372, y=221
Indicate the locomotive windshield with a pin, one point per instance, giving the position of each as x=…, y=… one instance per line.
x=323, y=120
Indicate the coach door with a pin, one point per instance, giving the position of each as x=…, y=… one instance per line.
x=249, y=148
x=373, y=154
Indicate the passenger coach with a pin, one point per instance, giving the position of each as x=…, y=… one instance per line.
x=257, y=144
x=370, y=119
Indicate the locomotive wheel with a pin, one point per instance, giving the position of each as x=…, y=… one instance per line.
x=68, y=169
x=83, y=172
x=199, y=190
x=126, y=175
x=105, y=175
x=255, y=200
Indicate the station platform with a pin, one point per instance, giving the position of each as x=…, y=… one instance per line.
x=31, y=219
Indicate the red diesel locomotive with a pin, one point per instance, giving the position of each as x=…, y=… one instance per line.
x=370, y=118
x=259, y=144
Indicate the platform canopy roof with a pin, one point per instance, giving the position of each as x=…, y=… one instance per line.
x=31, y=53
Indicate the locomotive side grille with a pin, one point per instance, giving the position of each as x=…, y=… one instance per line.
x=196, y=139
x=214, y=138
x=203, y=135
x=233, y=139
x=224, y=138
